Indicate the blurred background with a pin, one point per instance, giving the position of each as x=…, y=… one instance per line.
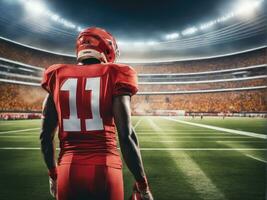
x=191, y=56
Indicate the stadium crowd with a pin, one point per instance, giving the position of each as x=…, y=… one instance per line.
x=237, y=101
x=201, y=86
x=229, y=62
x=39, y=58
x=20, y=98
x=29, y=98
x=25, y=98
x=30, y=56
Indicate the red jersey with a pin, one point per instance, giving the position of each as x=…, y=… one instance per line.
x=83, y=98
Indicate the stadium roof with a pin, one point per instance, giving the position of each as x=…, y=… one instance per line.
x=146, y=30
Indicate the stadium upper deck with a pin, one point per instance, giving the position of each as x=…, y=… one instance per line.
x=37, y=57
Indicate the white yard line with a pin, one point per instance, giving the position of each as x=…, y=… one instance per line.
x=251, y=134
x=213, y=141
x=180, y=130
x=22, y=148
x=19, y=148
x=245, y=153
x=19, y=136
x=255, y=158
x=239, y=141
x=204, y=149
x=194, y=175
x=182, y=133
x=20, y=130
x=137, y=123
x=199, y=137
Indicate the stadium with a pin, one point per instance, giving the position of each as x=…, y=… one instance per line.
x=200, y=111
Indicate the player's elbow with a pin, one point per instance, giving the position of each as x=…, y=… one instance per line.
x=126, y=140
x=133, y=135
x=46, y=138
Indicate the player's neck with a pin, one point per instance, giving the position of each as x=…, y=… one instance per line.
x=90, y=61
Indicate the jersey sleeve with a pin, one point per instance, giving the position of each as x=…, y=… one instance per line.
x=125, y=81
x=49, y=79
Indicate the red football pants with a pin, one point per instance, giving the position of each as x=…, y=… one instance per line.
x=89, y=182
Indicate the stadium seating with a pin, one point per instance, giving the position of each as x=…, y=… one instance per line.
x=238, y=90
x=228, y=62
x=29, y=98
x=15, y=97
x=201, y=86
x=237, y=101
x=16, y=52
x=39, y=58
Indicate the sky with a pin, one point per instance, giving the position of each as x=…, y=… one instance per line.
x=136, y=24
x=139, y=18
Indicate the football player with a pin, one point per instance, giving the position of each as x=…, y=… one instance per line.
x=85, y=102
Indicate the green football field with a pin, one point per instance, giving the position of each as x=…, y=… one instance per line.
x=185, y=159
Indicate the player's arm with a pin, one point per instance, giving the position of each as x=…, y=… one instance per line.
x=125, y=85
x=49, y=126
x=127, y=137
x=129, y=144
x=134, y=137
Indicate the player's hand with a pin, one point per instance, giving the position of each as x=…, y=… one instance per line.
x=53, y=187
x=53, y=182
x=141, y=191
x=146, y=195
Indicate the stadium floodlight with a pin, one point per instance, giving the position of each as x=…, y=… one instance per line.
x=216, y=21
x=247, y=7
x=130, y=44
x=225, y=17
x=207, y=25
x=172, y=36
x=55, y=17
x=190, y=30
x=35, y=8
x=244, y=8
x=68, y=24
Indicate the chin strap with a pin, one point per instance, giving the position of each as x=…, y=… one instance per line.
x=91, y=53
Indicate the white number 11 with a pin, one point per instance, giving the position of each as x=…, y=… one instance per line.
x=73, y=123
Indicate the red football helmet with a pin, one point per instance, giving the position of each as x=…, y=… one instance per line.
x=96, y=43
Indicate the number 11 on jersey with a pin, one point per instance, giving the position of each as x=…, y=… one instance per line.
x=73, y=123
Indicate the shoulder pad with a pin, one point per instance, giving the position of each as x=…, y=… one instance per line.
x=54, y=67
x=123, y=68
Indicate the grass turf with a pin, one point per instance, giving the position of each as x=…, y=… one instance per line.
x=192, y=171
